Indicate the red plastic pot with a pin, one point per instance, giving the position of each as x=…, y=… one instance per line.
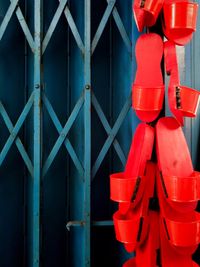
x=189, y=100
x=183, y=189
x=130, y=229
x=185, y=233
x=180, y=19
x=147, y=99
x=172, y=256
x=146, y=12
x=178, y=181
x=122, y=188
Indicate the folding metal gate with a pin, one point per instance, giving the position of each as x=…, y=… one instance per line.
x=66, y=69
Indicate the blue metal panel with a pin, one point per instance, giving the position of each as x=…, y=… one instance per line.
x=63, y=109
x=12, y=172
x=192, y=79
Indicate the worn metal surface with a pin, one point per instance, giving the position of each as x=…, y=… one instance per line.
x=66, y=72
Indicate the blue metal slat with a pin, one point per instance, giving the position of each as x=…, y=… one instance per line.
x=12, y=171
x=102, y=24
x=67, y=143
x=53, y=24
x=74, y=30
x=16, y=129
x=25, y=28
x=7, y=17
x=108, y=129
x=111, y=137
x=87, y=137
x=17, y=141
x=63, y=135
x=122, y=29
x=37, y=114
x=195, y=83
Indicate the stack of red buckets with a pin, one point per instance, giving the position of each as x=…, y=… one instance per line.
x=158, y=195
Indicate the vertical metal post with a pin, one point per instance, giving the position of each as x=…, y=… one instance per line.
x=37, y=135
x=87, y=126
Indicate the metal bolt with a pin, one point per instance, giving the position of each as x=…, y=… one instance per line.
x=87, y=87
x=37, y=86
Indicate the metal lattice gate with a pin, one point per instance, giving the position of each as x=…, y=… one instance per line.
x=66, y=69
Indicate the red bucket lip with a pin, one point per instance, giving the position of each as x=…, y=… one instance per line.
x=179, y=21
x=183, y=189
x=127, y=230
x=122, y=187
x=122, y=218
x=189, y=99
x=182, y=7
x=147, y=98
x=177, y=232
x=146, y=13
x=122, y=176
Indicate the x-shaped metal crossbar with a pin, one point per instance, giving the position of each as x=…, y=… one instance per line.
x=14, y=130
x=63, y=8
x=88, y=98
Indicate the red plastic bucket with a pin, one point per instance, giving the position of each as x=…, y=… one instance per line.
x=146, y=12
x=184, y=233
x=183, y=189
x=180, y=19
x=122, y=188
x=130, y=230
x=189, y=101
x=147, y=99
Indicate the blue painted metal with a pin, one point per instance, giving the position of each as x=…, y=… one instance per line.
x=16, y=129
x=87, y=133
x=53, y=24
x=102, y=24
x=111, y=137
x=108, y=129
x=37, y=127
x=67, y=143
x=76, y=98
x=39, y=47
x=62, y=135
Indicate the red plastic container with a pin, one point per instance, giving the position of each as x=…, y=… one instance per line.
x=127, y=228
x=183, y=189
x=189, y=100
x=147, y=99
x=122, y=188
x=146, y=12
x=180, y=183
x=170, y=255
x=183, y=101
x=127, y=187
x=132, y=228
x=180, y=19
x=182, y=230
x=185, y=233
